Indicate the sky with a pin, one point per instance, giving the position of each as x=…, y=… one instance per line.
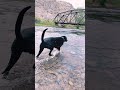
x=76, y=3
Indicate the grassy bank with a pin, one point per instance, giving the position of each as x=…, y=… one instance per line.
x=50, y=23
x=43, y=22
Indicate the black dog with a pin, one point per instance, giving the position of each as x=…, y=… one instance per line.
x=24, y=42
x=51, y=43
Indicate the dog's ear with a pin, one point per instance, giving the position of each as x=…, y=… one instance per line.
x=65, y=38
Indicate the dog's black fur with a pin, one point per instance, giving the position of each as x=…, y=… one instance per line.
x=24, y=42
x=51, y=43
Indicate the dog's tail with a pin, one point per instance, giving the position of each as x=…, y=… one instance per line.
x=42, y=37
x=19, y=22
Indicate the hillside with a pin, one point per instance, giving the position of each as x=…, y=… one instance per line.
x=48, y=9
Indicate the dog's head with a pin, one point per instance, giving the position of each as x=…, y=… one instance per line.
x=65, y=38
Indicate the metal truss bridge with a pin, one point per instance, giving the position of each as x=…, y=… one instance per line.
x=72, y=17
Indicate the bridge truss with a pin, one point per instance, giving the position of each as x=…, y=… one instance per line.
x=73, y=17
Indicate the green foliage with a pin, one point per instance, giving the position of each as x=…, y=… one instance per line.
x=81, y=17
x=43, y=22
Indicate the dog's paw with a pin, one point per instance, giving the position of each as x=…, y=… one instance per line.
x=50, y=54
x=5, y=75
x=37, y=56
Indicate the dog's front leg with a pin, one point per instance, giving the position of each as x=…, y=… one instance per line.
x=58, y=48
x=34, y=66
x=50, y=52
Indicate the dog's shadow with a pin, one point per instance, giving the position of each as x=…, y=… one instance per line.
x=50, y=62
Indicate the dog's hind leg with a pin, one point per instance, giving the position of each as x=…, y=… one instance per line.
x=40, y=51
x=13, y=59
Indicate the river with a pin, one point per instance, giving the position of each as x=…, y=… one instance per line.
x=66, y=71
